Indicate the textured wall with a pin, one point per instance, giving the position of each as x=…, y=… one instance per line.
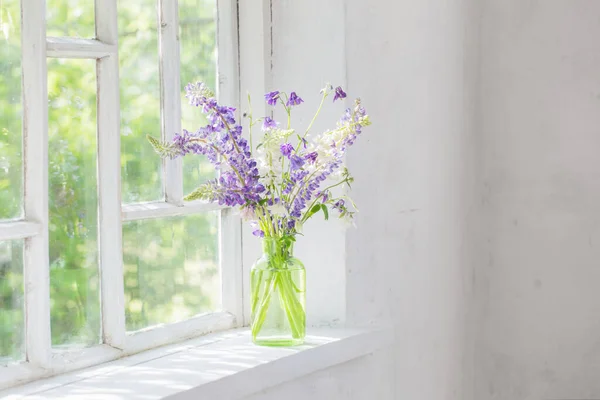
x=539, y=307
x=362, y=379
x=479, y=186
x=415, y=66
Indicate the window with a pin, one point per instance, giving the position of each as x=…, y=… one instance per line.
x=99, y=254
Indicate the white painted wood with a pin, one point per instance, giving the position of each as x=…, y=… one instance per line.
x=134, y=212
x=228, y=73
x=141, y=341
x=230, y=255
x=255, y=46
x=19, y=230
x=35, y=151
x=170, y=333
x=221, y=366
x=78, y=48
x=70, y=359
x=18, y=374
x=170, y=88
x=230, y=231
x=255, y=53
x=109, y=180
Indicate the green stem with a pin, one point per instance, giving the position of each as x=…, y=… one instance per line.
x=293, y=309
x=325, y=94
x=316, y=199
x=261, y=314
x=257, y=284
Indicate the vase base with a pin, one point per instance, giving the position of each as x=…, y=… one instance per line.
x=277, y=341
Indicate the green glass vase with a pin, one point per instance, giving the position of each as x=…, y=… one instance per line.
x=277, y=282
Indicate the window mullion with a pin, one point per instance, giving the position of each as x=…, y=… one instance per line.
x=170, y=95
x=109, y=179
x=35, y=137
x=230, y=230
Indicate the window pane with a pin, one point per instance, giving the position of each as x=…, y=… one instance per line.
x=73, y=18
x=11, y=301
x=171, y=269
x=140, y=100
x=197, y=33
x=11, y=175
x=73, y=206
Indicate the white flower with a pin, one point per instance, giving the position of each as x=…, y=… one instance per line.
x=348, y=220
x=247, y=214
x=277, y=209
x=328, y=88
x=269, y=168
x=273, y=140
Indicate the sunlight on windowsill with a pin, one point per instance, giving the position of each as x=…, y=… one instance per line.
x=224, y=365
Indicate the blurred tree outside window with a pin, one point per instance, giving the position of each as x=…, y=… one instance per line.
x=170, y=264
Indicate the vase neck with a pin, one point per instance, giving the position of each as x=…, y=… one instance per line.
x=277, y=247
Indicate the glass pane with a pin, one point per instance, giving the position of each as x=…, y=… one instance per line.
x=73, y=18
x=11, y=173
x=73, y=203
x=11, y=301
x=140, y=100
x=197, y=33
x=171, y=269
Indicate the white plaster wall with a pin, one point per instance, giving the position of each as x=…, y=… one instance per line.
x=538, y=298
x=415, y=66
x=362, y=379
x=408, y=263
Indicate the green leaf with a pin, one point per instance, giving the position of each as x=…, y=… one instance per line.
x=201, y=193
x=325, y=211
x=154, y=142
x=165, y=150
x=316, y=208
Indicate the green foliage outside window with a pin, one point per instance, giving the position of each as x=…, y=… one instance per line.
x=170, y=264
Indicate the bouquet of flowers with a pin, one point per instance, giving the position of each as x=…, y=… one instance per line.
x=278, y=182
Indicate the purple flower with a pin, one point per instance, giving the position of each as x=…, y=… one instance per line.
x=269, y=123
x=339, y=93
x=286, y=149
x=198, y=93
x=294, y=100
x=238, y=184
x=272, y=97
x=258, y=233
x=297, y=162
x=339, y=205
x=311, y=157
x=324, y=196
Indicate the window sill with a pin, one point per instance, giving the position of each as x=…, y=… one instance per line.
x=224, y=365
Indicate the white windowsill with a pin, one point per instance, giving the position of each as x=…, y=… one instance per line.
x=218, y=366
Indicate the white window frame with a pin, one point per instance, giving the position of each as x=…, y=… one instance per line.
x=41, y=359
